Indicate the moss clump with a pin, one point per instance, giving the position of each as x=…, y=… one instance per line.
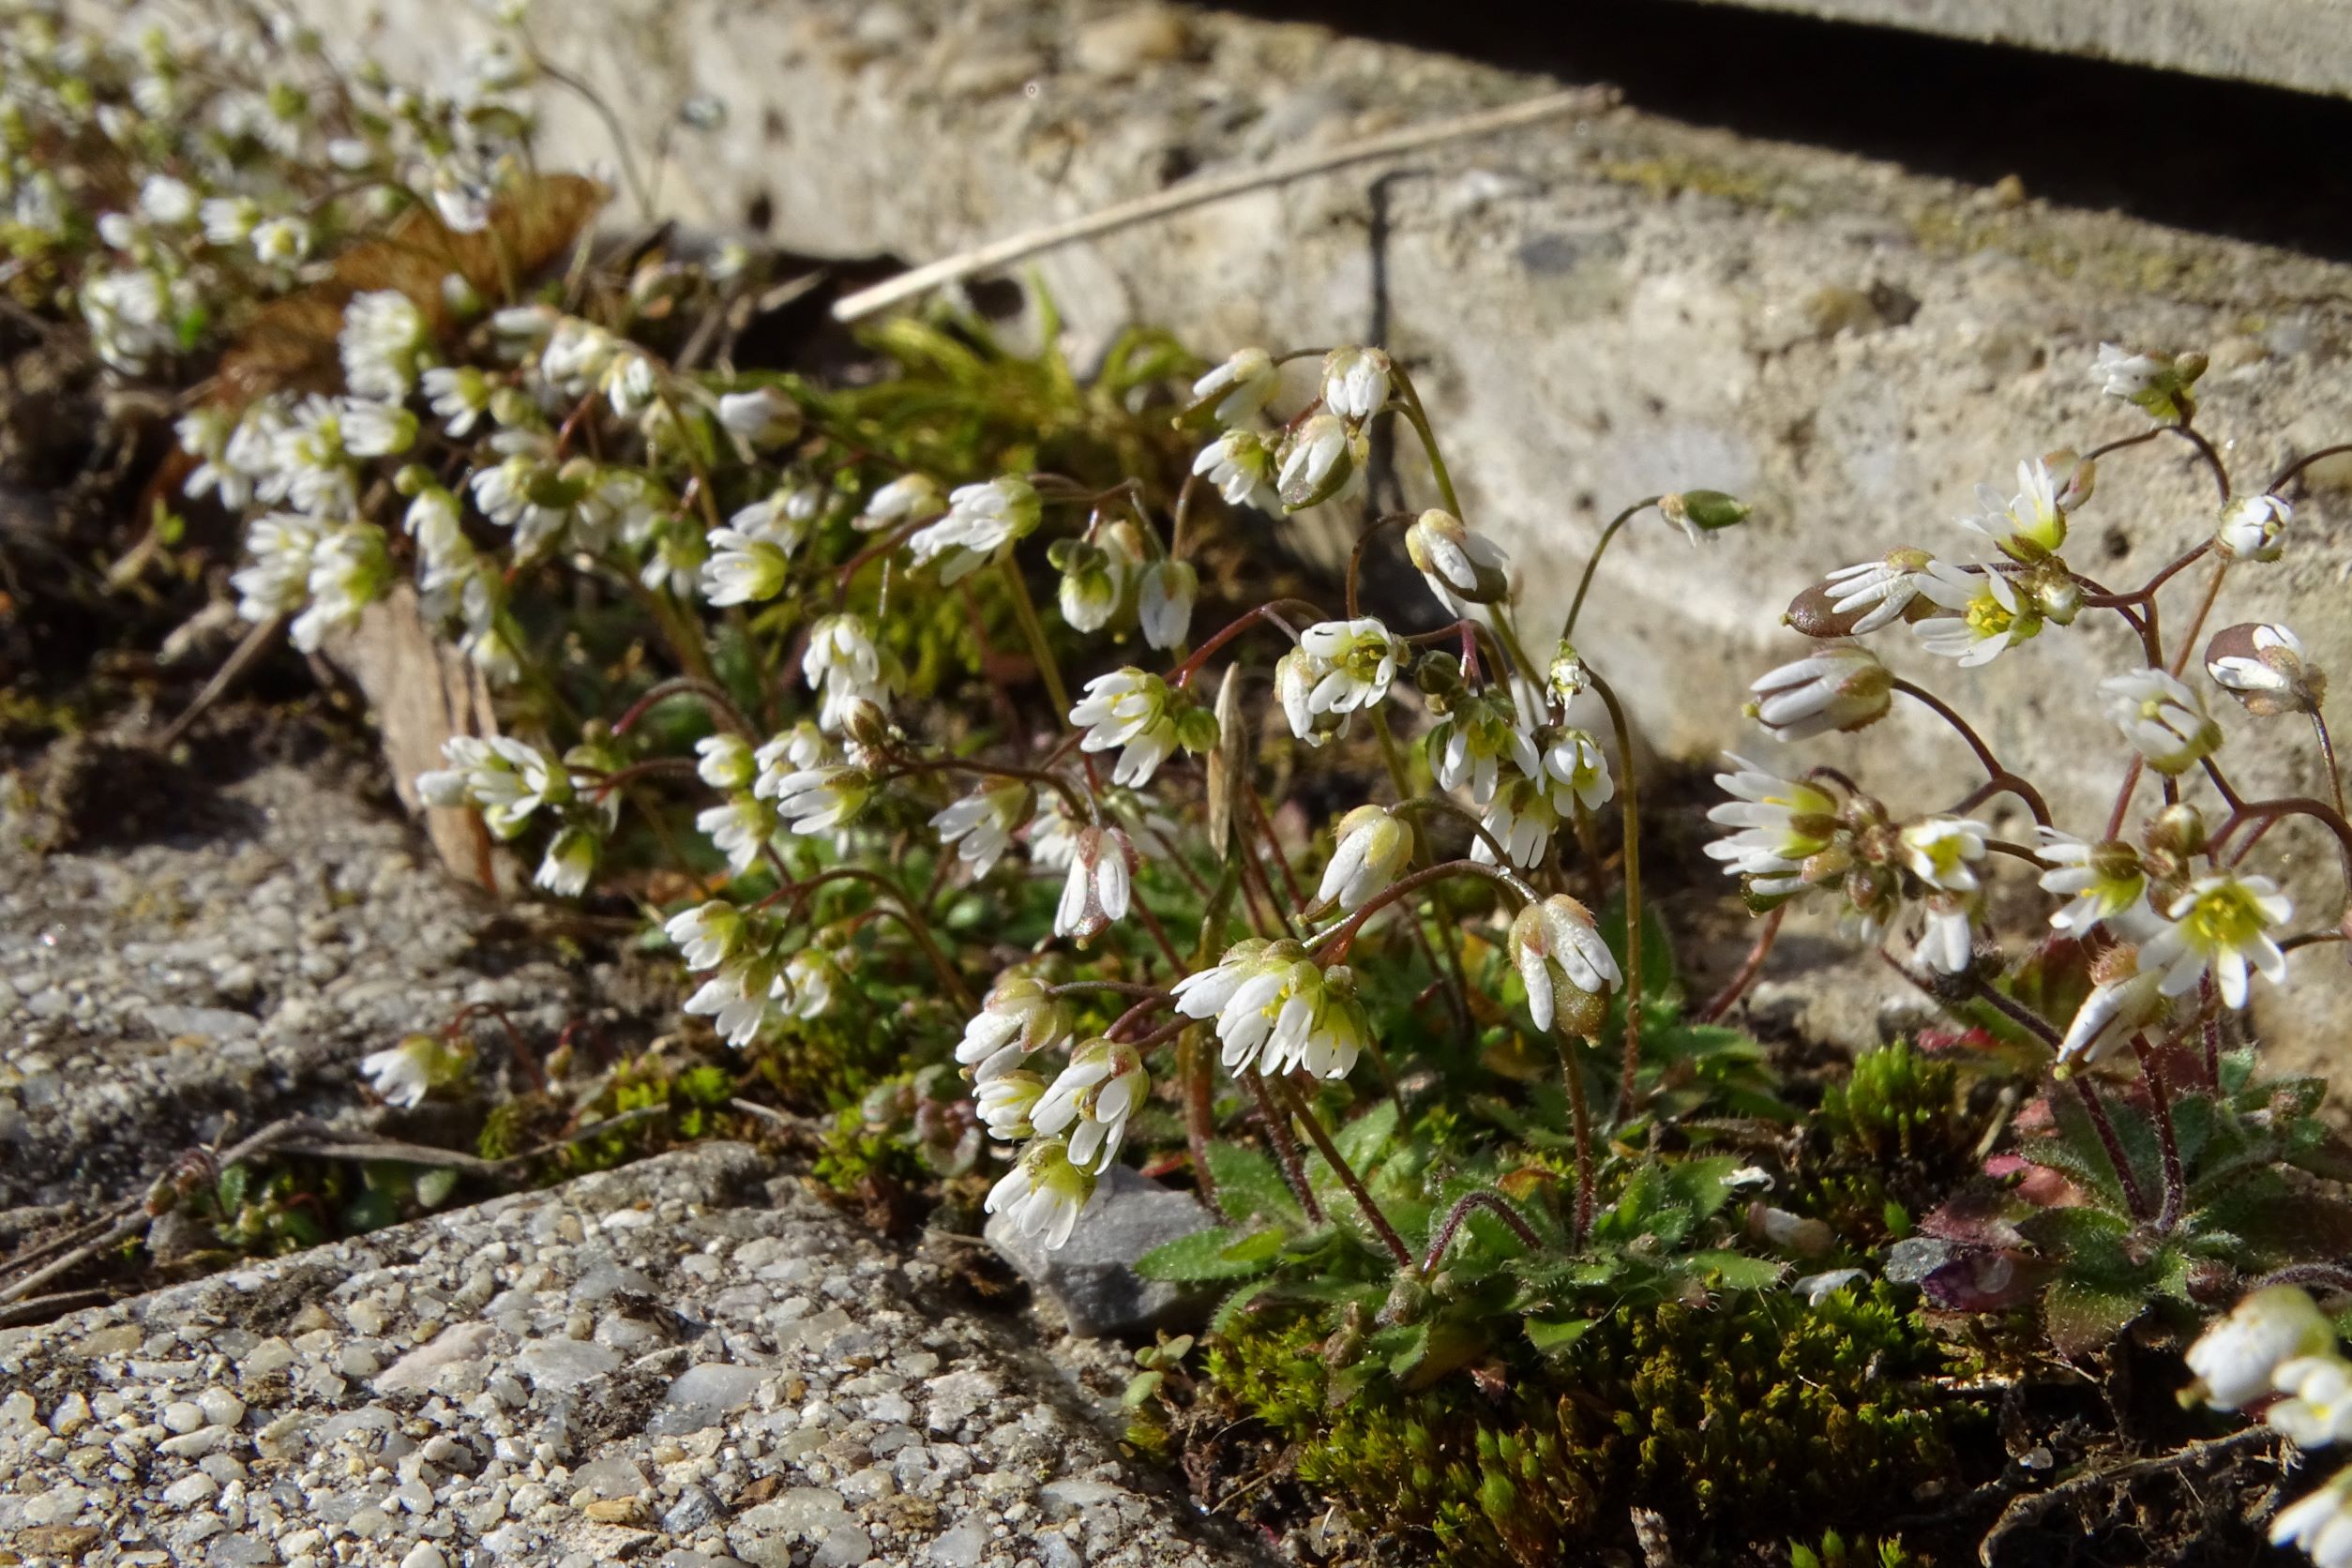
x=1898, y=1105
x=1741, y=1422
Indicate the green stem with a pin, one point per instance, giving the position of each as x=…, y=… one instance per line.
x=1025, y=610
x=1420, y=418
x=1580, y=1109
x=1592, y=561
x=1296, y=1102
x=1630, y=796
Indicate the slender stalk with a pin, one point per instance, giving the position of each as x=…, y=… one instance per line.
x=2196, y=621
x=1355, y=557
x=1592, y=561
x=1287, y=1092
x=2328, y=755
x=1192, y=1076
x=1285, y=1146
x=2288, y=472
x=1182, y=675
x=1997, y=773
x=2210, y=1032
x=721, y=706
x=1443, y=1236
x=2123, y=796
x=1630, y=806
x=2167, y=1136
x=904, y=911
x=1335, y=941
x=1418, y=418
x=1580, y=1111
x=2205, y=449
x=2134, y=1199
x=1025, y=610
x=1750, y=967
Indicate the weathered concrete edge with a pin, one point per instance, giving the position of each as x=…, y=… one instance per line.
x=2301, y=44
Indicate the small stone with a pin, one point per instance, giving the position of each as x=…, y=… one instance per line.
x=960, y=1548
x=694, y=1509
x=191, y=1489
x=1123, y=43
x=183, y=1415
x=424, y=1555
x=702, y=1396
x=221, y=1407
x=561, y=1363
x=70, y=1416
x=1092, y=1279
x=617, y=1511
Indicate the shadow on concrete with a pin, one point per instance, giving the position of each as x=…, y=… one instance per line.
x=2222, y=158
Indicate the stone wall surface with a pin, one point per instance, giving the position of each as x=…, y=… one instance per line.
x=691, y=1362
x=2306, y=44
x=1594, y=311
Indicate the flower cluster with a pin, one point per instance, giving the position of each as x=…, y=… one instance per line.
x=2276, y=1350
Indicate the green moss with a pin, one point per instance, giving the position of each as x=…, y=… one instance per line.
x=1741, y=1422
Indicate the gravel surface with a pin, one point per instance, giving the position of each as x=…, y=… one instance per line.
x=688, y=1362
x=242, y=964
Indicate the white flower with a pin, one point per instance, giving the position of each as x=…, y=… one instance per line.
x=1317, y=460
x=1295, y=679
x=981, y=520
x=762, y=416
x=1462, y=569
x=167, y=200
x=2104, y=880
x=507, y=779
x=1044, y=1193
x=229, y=219
x=1270, y=1001
x=1942, y=851
x=2124, y=375
x=739, y=999
x=781, y=517
x=1947, y=939
x=1783, y=823
x=911, y=495
x=2222, y=924
x=1240, y=466
x=2236, y=1358
x=1097, y=890
x=1470, y=744
x=1818, y=1287
x=818, y=800
x=1575, y=769
x=1018, y=1018
x=705, y=934
x=799, y=749
x=1988, y=615
x=1242, y=385
x=349, y=571
x=982, y=824
x=2318, y=1409
x=1840, y=686
x=2032, y=524
x=724, y=760
x=2162, y=717
x=739, y=826
x=1353, y=662
x=742, y=569
x=1005, y=1103
x=460, y=395
x=2262, y=665
x=569, y=861
x=382, y=340
x=1562, y=961
x=2320, y=1522
x=308, y=463
x=282, y=241
x=1370, y=849
x=1092, y=1099
x=1356, y=382
x=1164, y=590
x=276, y=578
x=844, y=667
x=2254, y=528
x=2118, y=1007
x=1132, y=709
x=1522, y=817
x=806, y=983
x=404, y=1074
x=377, y=430
x=1094, y=582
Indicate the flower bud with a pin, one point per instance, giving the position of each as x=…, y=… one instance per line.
x=1841, y=687
x=2162, y=717
x=1568, y=678
x=2254, y=528
x=2178, y=834
x=2157, y=383
x=1318, y=460
x=1228, y=761
x=2262, y=665
x=1462, y=567
x=1566, y=967
x=1702, y=511
x=2235, y=1357
x=2073, y=475
x=1164, y=591
x=1371, y=847
x=1356, y=382
x=1806, y=1237
x=1235, y=390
